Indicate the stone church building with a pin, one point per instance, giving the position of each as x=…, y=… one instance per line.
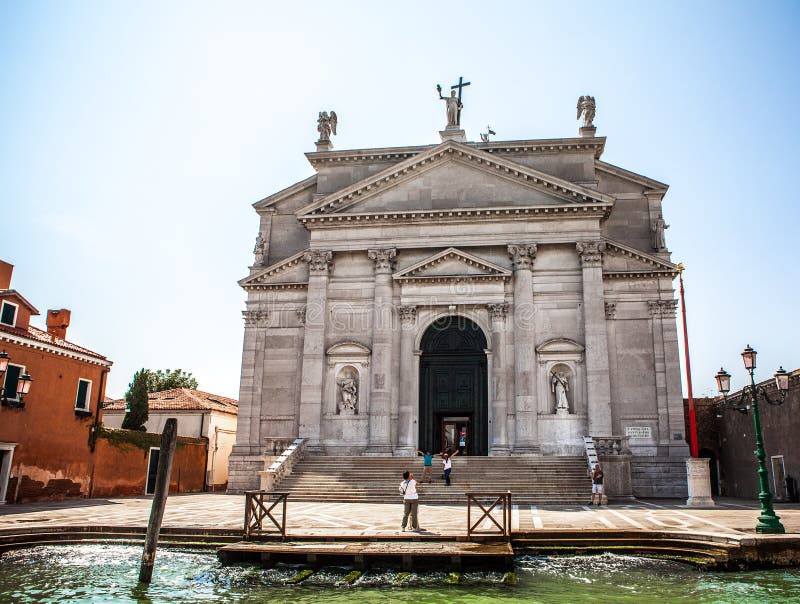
x=509, y=296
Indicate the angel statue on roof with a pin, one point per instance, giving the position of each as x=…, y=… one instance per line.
x=586, y=106
x=326, y=124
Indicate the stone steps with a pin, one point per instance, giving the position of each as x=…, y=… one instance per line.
x=532, y=480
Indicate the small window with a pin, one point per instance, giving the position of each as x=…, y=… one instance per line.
x=12, y=381
x=8, y=314
x=84, y=391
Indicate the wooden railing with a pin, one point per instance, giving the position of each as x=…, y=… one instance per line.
x=259, y=505
x=492, y=501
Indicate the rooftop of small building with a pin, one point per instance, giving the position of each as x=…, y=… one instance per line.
x=42, y=336
x=181, y=399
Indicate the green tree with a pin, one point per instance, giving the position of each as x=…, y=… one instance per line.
x=167, y=379
x=136, y=401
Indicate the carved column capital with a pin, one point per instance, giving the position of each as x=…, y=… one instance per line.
x=591, y=252
x=522, y=255
x=611, y=310
x=301, y=315
x=383, y=258
x=319, y=261
x=408, y=315
x=255, y=318
x=498, y=312
x=662, y=308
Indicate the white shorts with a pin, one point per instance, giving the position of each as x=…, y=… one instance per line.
x=597, y=488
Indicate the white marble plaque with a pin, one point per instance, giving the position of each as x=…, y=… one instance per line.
x=639, y=432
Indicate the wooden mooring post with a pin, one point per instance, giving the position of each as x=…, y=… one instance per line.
x=169, y=438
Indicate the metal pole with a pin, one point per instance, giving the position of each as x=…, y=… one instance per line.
x=768, y=521
x=168, y=439
x=692, y=416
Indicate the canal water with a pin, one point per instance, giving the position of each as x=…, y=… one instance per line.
x=108, y=573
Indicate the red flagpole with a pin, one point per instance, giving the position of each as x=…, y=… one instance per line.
x=692, y=416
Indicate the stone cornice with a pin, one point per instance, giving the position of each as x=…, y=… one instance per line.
x=456, y=215
x=624, y=250
x=273, y=270
x=447, y=151
x=639, y=274
x=538, y=146
x=285, y=193
x=413, y=271
x=657, y=186
x=274, y=286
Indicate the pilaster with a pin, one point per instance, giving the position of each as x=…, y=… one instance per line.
x=499, y=395
x=598, y=386
x=316, y=311
x=382, y=329
x=247, y=436
x=525, y=407
x=408, y=393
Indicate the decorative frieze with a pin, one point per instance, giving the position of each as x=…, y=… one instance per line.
x=611, y=310
x=319, y=261
x=383, y=258
x=498, y=312
x=591, y=252
x=255, y=318
x=522, y=255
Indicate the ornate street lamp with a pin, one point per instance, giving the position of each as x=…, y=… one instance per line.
x=768, y=521
x=23, y=384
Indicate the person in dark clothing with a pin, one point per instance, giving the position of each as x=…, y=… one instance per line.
x=597, y=485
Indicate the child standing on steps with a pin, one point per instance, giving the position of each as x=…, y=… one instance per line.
x=427, y=465
x=447, y=462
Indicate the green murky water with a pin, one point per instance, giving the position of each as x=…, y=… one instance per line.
x=108, y=573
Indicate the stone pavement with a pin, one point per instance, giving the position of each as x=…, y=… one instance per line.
x=206, y=510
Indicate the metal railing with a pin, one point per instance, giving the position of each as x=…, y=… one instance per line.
x=493, y=500
x=260, y=505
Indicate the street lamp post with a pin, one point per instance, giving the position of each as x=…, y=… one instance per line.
x=768, y=521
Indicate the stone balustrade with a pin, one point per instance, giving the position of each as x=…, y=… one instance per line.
x=612, y=445
x=283, y=466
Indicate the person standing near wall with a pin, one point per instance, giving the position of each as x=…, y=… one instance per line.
x=597, y=485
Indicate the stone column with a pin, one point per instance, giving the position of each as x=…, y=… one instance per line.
x=598, y=386
x=382, y=328
x=407, y=439
x=319, y=262
x=659, y=369
x=499, y=443
x=527, y=430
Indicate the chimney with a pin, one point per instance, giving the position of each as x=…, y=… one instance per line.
x=57, y=322
x=5, y=274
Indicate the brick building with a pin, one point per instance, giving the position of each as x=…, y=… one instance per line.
x=45, y=435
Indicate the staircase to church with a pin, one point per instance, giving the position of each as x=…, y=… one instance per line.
x=532, y=480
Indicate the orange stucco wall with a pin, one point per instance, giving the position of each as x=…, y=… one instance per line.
x=122, y=469
x=52, y=459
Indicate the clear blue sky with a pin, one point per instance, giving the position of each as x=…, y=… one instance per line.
x=135, y=136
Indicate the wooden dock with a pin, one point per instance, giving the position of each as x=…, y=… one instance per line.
x=361, y=553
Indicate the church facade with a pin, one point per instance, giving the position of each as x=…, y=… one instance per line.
x=508, y=297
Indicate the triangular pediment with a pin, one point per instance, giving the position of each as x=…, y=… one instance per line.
x=291, y=272
x=453, y=175
x=622, y=261
x=452, y=263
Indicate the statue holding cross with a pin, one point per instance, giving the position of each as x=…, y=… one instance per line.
x=454, y=104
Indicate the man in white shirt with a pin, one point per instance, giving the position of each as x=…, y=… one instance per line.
x=410, y=500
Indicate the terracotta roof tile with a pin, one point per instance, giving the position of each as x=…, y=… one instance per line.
x=39, y=335
x=183, y=399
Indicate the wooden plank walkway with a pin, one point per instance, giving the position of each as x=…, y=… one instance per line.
x=359, y=553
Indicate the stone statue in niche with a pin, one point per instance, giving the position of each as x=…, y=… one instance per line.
x=559, y=386
x=659, y=241
x=348, y=387
x=258, y=250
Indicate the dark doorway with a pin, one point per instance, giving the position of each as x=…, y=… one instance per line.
x=713, y=469
x=453, y=407
x=152, y=471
